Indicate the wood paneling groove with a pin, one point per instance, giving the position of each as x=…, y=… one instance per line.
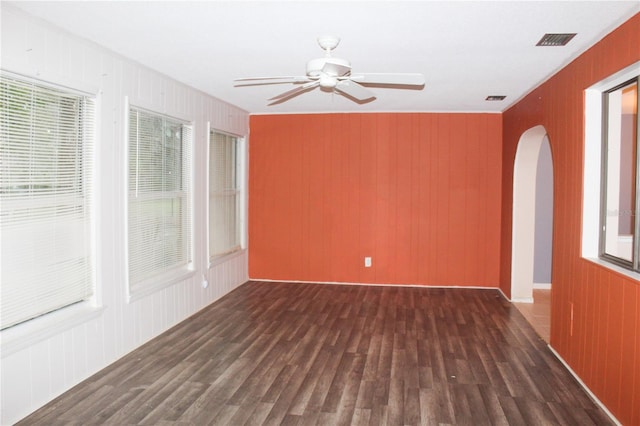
x=292, y=353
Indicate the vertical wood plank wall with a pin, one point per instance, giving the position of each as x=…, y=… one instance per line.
x=42, y=370
x=419, y=193
x=603, y=345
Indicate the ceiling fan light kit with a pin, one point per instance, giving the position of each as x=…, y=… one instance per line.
x=333, y=74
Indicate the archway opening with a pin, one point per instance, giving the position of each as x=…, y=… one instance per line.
x=533, y=229
x=532, y=215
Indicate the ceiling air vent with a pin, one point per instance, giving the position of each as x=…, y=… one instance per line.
x=495, y=98
x=551, y=39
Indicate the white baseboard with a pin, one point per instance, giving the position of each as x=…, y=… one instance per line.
x=380, y=285
x=542, y=286
x=585, y=387
x=522, y=300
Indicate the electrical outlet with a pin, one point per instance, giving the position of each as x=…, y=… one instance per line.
x=367, y=262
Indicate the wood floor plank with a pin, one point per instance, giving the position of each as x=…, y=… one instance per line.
x=257, y=383
x=281, y=406
x=492, y=404
x=258, y=414
x=347, y=404
x=360, y=417
x=366, y=393
x=312, y=354
x=511, y=411
x=175, y=404
x=279, y=384
x=242, y=416
x=154, y=395
x=411, y=411
x=302, y=399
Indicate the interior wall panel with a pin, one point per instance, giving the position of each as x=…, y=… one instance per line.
x=418, y=193
x=594, y=310
x=42, y=370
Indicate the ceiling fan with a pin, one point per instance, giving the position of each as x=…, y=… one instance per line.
x=334, y=75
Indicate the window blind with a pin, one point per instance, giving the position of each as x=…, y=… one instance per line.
x=46, y=151
x=224, y=195
x=159, y=197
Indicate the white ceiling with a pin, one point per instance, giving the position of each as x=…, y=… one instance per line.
x=467, y=50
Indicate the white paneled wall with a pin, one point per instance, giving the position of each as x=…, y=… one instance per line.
x=49, y=364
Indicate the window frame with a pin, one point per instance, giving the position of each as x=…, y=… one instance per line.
x=33, y=329
x=163, y=279
x=632, y=265
x=239, y=192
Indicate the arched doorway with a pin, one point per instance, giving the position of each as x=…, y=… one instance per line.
x=532, y=215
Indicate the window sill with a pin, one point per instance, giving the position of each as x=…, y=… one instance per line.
x=158, y=283
x=226, y=257
x=30, y=332
x=615, y=268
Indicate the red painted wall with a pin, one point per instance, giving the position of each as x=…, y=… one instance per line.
x=603, y=344
x=419, y=193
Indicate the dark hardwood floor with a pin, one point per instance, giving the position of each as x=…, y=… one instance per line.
x=305, y=354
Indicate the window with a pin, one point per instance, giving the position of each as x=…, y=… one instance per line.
x=619, y=223
x=224, y=194
x=159, y=212
x=46, y=159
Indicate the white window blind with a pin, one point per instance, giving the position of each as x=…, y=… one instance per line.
x=159, y=198
x=46, y=159
x=224, y=195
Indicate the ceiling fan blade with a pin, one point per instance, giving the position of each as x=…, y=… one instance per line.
x=354, y=90
x=293, y=92
x=253, y=81
x=335, y=68
x=409, y=79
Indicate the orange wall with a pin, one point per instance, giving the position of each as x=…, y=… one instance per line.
x=419, y=193
x=603, y=346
